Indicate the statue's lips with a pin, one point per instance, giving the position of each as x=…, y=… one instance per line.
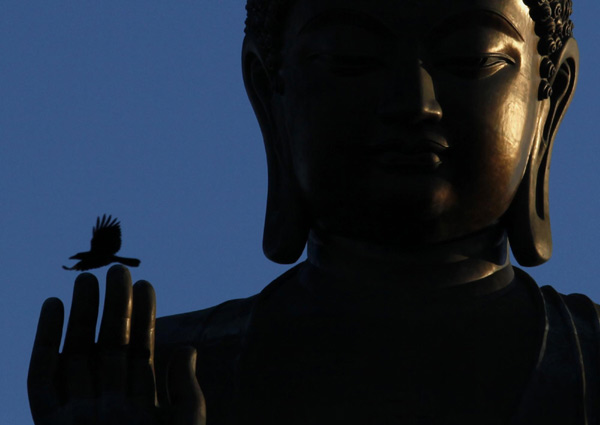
x=419, y=155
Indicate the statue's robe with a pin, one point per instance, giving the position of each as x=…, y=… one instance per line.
x=308, y=354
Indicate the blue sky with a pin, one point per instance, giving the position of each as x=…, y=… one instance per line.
x=137, y=109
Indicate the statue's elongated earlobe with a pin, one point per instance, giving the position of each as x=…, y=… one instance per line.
x=286, y=224
x=528, y=218
x=286, y=221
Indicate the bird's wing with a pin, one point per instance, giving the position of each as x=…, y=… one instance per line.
x=106, y=236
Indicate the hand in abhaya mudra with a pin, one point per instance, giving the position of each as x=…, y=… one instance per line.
x=109, y=382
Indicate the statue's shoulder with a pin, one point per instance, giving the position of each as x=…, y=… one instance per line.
x=207, y=326
x=577, y=309
x=585, y=316
x=565, y=385
x=215, y=325
x=583, y=308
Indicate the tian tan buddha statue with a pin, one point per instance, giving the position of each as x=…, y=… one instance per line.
x=408, y=144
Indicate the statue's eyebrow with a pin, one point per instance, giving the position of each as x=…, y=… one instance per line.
x=477, y=17
x=347, y=17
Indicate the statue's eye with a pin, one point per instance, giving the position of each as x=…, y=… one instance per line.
x=347, y=65
x=476, y=66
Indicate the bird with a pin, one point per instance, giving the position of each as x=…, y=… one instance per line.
x=106, y=242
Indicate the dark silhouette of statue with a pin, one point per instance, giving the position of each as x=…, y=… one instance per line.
x=408, y=146
x=106, y=242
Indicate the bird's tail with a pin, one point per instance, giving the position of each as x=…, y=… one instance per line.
x=131, y=262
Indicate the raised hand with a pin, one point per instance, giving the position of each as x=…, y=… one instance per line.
x=112, y=381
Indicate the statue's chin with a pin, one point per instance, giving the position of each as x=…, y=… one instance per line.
x=426, y=223
x=407, y=227
x=385, y=232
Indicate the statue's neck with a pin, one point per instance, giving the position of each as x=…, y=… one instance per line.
x=422, y=269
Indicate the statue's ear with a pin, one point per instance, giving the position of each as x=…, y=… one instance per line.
x=528, y=217
x=286, y=224
x=258, y=85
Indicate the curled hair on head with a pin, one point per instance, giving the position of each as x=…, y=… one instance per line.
x=554, y=27
x=266, y=21
x=265, y=24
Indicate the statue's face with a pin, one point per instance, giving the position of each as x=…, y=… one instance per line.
x=409, y=120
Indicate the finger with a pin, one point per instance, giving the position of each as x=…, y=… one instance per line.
x=114, y=331
x=141, y=345
x=43, y=395
x=81, y=329
x=79, y=339
x=185, y=395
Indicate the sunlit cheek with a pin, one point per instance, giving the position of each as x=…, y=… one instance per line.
x=519, y=134
x=507, y=125
x=513, y=127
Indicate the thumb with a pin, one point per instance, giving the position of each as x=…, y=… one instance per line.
x=185, y=396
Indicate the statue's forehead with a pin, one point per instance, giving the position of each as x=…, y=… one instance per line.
x=413, y=11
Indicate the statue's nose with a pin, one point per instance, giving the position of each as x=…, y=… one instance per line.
x=410, y=98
